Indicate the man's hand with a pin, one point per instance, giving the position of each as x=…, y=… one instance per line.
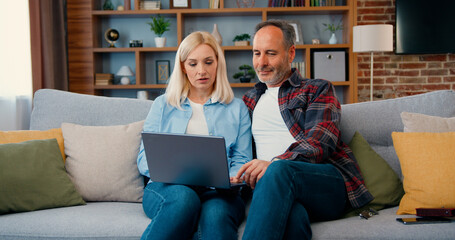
x=252, y=171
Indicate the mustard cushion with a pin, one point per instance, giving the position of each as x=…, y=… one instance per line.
x=428, y=165
x=26, y=135
x=33, y=176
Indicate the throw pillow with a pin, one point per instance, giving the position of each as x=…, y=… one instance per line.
x=416, y=122
x=101, y=161
x=428, y=166
x=33, y=176
x=380, y=179
x=26, y=135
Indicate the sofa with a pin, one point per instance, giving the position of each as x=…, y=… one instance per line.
x=126, y=220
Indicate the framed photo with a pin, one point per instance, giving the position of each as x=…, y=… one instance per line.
x=162, y=71
x=180, y=4
x=298, y=32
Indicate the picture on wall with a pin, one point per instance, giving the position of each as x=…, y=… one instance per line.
x=162, y=71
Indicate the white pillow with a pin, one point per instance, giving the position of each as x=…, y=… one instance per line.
x=416, y=122
x=101, y=161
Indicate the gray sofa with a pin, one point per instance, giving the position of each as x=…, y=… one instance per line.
x=120, y=220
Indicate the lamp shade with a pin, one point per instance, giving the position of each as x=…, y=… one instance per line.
x=373, y=38
x=125, y=71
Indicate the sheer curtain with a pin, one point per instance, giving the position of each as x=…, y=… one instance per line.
x=15, y=66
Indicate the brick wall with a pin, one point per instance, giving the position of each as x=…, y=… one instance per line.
x=399, y=75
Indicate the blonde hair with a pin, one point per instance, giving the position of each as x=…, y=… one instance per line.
x=179, y=85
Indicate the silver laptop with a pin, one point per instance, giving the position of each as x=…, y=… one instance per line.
x=187, y=159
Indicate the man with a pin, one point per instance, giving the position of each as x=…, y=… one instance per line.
x=303, y=170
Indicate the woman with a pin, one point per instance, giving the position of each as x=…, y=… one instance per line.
x=198, y=100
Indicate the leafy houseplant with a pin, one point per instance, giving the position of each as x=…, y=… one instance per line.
x=246, y=75
x=159, y=26
x=242, y=39
x=333, y=28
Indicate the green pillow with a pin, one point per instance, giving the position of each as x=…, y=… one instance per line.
x=33, y=176
x=380, y=179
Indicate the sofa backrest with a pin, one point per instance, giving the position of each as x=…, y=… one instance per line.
x=51, y=108
x=376, y=120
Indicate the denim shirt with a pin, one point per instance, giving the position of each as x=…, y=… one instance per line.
x=230, y=121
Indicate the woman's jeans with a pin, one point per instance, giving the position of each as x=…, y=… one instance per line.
x=182, y=212
x=290, y=194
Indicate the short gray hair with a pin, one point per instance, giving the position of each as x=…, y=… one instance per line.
x=287, y=30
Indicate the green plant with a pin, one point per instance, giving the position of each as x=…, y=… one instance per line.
x=332, y=28
x=242, y=37
x=159, y=25
x=247, y=73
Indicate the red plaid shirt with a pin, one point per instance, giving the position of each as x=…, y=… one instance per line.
x=312, y=112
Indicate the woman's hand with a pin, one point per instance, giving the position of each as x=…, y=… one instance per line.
x=252, y=172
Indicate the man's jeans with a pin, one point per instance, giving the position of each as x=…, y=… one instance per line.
x=290, y=194
x=181, y=212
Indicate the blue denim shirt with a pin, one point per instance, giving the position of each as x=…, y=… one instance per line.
x=230, y=121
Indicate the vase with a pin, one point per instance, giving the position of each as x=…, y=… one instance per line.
x=216, y=34
x=333, y=39
x=160, y=42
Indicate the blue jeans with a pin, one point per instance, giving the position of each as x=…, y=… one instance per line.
x=289, y=195
x=182, y=212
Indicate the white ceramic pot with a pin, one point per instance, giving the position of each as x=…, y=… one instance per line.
x=160, y=42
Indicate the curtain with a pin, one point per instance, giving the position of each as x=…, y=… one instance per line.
x=49, y=44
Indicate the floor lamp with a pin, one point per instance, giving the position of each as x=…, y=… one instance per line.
x=373, y=38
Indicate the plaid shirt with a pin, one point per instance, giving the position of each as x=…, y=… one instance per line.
x=312, y=112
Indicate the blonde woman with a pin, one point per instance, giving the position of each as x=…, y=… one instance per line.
x=198, y=100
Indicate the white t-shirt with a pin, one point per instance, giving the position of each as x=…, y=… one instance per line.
x=197, y=123
x=271, y=135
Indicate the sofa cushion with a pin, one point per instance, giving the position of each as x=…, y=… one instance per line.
x=380, y=179
x=33, y=176
x=21, y=136
x=101, y=161
x=428, y=165
x=416, y=122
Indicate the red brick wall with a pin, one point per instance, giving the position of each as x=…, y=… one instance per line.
x=399, y=75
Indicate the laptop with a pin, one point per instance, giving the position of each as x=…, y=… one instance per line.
x=187, y=159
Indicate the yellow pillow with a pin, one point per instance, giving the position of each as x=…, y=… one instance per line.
x=428, y=165
x=27, y=135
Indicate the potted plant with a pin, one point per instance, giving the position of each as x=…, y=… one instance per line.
x=242, y=40
x=246, y=75
x=333, y=28
x=159, y=26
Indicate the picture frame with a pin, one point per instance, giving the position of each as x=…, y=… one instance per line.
x=180, y=4
x=163, y=71
x=298, y=32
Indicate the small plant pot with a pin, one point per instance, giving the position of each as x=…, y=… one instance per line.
x=245, y=79
x=160, y=42
x=242, y=43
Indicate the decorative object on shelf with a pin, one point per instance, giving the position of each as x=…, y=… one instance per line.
x=120, y=8
x=246, y=75
x=216, y=34
x=315, y=41
x=143, y=95
x=159, y=26
x=373, y=38
x=111, y=36
x=163, y=70
x=135, y=43
x=125, y=72
x=332, y=28
x=108, y=5
x=127, y=4
x=180, y=4
x=245, y=3
x=149, y=5
x=298, y=32
x=242, y=40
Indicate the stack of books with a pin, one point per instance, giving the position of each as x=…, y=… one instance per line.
x=104, y=78
x=150, y=5
x=300, y=66
x=286, y=3
x=214, y=4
